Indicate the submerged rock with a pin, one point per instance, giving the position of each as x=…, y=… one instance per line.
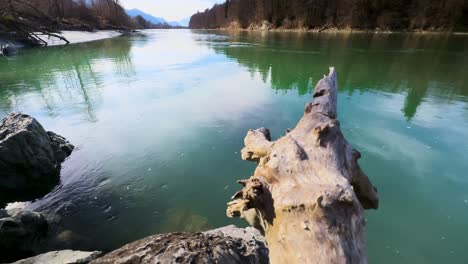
x=20, y=233
x=62, y=257
x=8, y=50
x=225, y=245
x=30, y=158
x=184, y=220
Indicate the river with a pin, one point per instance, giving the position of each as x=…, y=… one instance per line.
x=158, y=121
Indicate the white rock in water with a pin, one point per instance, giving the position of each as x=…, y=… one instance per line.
x=61, y=257
x=248, y=233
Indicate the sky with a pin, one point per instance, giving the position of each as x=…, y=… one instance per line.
x=171, y=10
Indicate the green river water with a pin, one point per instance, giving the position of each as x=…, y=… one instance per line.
x=158, y=121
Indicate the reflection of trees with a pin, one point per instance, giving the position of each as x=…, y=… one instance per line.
x=396, y=63
x=64, y=74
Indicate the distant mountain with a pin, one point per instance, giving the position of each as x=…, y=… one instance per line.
x=148, y=17
x=174, y=23
x=185, y=22
x=182, y=23
x=157, y=20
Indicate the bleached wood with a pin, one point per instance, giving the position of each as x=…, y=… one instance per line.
x=308, y=193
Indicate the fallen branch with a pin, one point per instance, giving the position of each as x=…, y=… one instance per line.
x=308, y=192
x=29, y=25
x=323, y=28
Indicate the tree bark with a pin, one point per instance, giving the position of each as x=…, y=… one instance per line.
x=308, y=193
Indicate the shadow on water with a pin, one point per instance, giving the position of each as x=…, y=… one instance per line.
x=42, y=70
x=410, y=64
x=37, y=191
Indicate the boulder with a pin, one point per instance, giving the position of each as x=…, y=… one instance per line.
x=21, y=232
x=8, y=50
x=62, y=257
x=251, y=237
x=30, y=158
x=225, y=245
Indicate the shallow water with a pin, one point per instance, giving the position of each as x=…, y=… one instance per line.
x=74, y=37
x=158, y=120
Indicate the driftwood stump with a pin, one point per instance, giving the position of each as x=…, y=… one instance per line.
x=308, y=193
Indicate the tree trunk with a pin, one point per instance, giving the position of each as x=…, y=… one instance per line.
x=308, y=193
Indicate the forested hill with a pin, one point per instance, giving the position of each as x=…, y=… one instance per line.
x=441, y=15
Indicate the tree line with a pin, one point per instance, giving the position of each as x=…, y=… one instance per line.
x=342, y=14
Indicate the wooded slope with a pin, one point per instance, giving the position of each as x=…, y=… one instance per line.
x=64, y=14
x=30, y=22
x=443, y=15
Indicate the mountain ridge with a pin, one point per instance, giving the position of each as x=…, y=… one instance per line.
x=153, y=19
x=156, y=20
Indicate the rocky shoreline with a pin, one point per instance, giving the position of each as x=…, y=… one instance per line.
x=10, y=46
x=267, y=27
x=223, y=245
x=30, y=163
x=30, y=158
x=307, y=197
x=61, y=257
x=23, y=235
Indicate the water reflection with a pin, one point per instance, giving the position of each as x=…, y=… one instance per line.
x=158, y=120
x=410, y=64
x=146, y=116
x=63, y=75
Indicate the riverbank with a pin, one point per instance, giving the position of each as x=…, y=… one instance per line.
x=72, y=37
x=145, y=166
x=329, y=30
x=26, y=233
x=411, y=15
x=84, y=36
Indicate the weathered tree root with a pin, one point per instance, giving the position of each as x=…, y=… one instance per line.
x=308, y=193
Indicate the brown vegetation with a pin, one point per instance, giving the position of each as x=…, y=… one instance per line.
x=31, y=21
x=68, y=14
x=348, y=14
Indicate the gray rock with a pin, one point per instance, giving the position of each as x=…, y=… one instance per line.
x=62, y=257
x=3, y=213
x=20, y=233
x=8, y=49
x=224, y=245
x=251, y=237
x=30, y=158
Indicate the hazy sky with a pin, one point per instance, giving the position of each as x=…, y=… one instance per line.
x=171, y=10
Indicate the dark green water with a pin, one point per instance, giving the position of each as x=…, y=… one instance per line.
x=159, y=120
